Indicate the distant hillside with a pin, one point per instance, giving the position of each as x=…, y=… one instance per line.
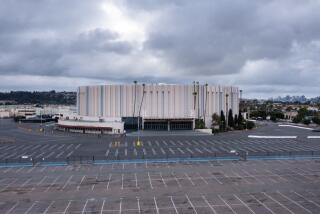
x=36, y=97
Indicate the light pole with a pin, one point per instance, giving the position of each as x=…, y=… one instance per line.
x=227, y=111
x=205, y=107
x=134, y=101
x=198, y=92
x=143, y=92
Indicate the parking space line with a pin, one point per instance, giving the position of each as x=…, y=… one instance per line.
x=102, y=206
x=202, y=178
x=120, y=206
x=53, y=183
x=176, y=179
x=191, y=204
x=174, y=205
x=226, y=204
x=261, y=203
x=156, y=205
x=78, y=187
x=136, y=179
x=310, y=201
x=276, y=201
x=47, y=209
x=67, y=207
x=138, y=203
x=150, y=181
x=12, y=208
x=188, y=177
x=299, y=205
x=122, y=181
x=108, y=182
x=244, y=204
x=215, y=178
x=164, y=183
x=84, y=207
x=29, y=209
x=209, y=205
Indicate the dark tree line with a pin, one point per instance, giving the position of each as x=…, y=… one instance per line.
x=36, y=97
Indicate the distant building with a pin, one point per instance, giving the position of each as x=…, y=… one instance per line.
x=158, y=106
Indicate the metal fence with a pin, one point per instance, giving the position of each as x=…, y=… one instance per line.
x=94, y=159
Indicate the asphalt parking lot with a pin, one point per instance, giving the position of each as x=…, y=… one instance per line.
x=286, y=186
x=26, y=140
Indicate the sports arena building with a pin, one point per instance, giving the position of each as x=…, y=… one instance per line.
x=158, y=106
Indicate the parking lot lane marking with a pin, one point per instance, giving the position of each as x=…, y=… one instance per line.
x=261, y=203
x=122, y=166
x=43, y=168
x=188, y=177
x=176, y=179
x=202, y=178
x=107, y=152
x=67, y=207
x=12, y=208
x=5, y=187
x=24, y=183
x=122, y=181
x=191, y=204
x=163, y=152
x=296, y=203
x=155, y=204
x=53, y=183
x=70, y=153
x=232, y=210
x=78, y=187
x=39, y=183
x=209, y=205
x=84, y=207
x=102, y=206
x=77, y=147
x=109, y=179
x=29, y=209
x=120, y=206
x=180, y=150
x=154, y=151
x=310, y=201
x=274, y=174
x=246, y=205
x=136, y=179
x=138, y=203
x=174, y=205
x=93, y=185
x=150, y=182
x=189, y=150
x=31, y=169
x=277, y=202
x=163, y=181
x=126, y=152
x=47, y=209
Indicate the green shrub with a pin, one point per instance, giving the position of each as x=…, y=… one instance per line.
x=250, y=124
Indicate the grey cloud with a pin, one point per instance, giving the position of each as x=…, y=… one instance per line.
x=209, y=40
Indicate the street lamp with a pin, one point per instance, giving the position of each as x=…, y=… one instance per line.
x=227, y=110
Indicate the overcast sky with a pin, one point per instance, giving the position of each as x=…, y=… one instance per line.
x=267, y=48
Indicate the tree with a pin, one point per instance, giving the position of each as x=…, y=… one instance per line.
x=222, y=121
x=250, y=124
x=240, y=118
x=236, y=121
x=215, y=122
x=230, y=119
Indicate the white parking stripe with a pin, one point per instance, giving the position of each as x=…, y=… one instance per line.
x=191, y=204
x=276, y=201
x=244, y=204
x=12, y=208
x=174, y=206
x=299, y=205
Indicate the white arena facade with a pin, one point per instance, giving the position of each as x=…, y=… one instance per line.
x=159, y=106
